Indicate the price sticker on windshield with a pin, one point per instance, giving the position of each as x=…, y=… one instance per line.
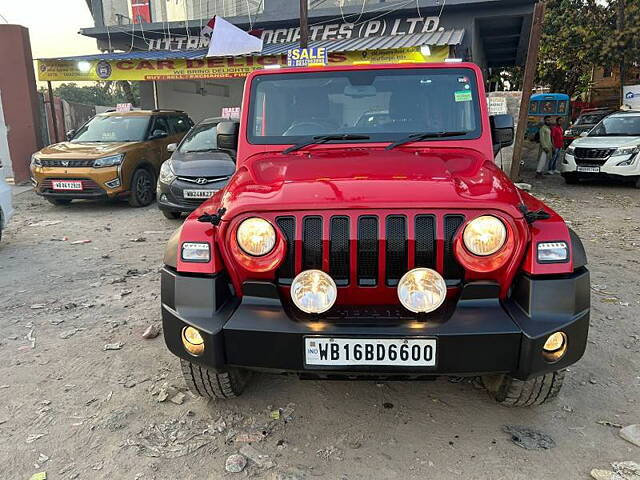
x=463, y=96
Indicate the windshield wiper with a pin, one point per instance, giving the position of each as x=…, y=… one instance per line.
x=323, y=139
x=201, y=150
x=416, y=137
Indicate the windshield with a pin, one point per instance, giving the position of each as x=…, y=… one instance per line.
x=384, y=105
x=113, y=128
x=590, y=119
x=618, y=126
x=200, y=138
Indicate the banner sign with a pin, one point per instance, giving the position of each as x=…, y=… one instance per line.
x=215, y=67
x=303, y=57
x=230, y=112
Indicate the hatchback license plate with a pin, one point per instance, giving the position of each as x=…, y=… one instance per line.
x=589, y=169
x=375, y=352
x=198, y=194
x=66, y=185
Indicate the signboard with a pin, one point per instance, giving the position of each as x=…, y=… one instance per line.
x=230, y=112
x=497, y=105
x=215, y=67
x=124, y=107
x=140, y=11
x=631, y=94
x=303, y=57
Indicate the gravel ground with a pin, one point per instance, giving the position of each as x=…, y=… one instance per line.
x=75, y=410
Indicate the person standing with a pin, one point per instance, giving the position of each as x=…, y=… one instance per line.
x=546, y=146
x=557, y=139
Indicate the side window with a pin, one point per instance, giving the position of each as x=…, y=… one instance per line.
x=180, y=124
x=160, y=123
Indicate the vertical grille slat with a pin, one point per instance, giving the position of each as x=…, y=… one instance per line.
x=312, y=243
x=452, y=269
x=339, y=250
x=287, y=270
x=367, y=251
x=397, y=253
x=425, y=246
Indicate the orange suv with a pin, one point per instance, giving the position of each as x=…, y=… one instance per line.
x=113, y=155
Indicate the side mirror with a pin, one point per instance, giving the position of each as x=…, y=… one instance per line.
x=227, y=135
x=502, y=131
x=158, y=134
x=70, y=134
x=172, y=147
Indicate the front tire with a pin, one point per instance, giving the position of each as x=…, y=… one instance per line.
x=214, y=384
x=58, y=201
x=142, y=188
x=171, y=215
x=511, y=392
x=570, y=178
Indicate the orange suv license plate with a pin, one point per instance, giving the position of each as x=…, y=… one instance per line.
x=66, y=185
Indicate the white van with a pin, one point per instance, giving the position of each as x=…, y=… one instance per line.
x=6, y=208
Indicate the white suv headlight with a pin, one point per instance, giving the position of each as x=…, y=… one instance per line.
x=571, y=150
x=110, y=161
x=625, y=151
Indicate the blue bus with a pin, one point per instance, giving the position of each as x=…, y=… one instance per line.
x=547, y=105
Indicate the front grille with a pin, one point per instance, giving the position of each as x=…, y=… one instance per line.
x=593, y=155
x=203, y=180
x=66, y=163
x=356, y=243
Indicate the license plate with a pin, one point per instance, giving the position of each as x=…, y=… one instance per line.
x=67, y=185
x=374, y=352
x=198, y=194
x=589, y=169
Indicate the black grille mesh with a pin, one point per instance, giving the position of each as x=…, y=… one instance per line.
x=396, y=249
x=286, y=272
x=312, y=243
x=367, y=251
x=452, y=269
x=425, y=241
x=339, y=250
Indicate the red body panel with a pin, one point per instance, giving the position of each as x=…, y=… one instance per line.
x=439, y=177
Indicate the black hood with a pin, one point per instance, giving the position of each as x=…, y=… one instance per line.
x=203, y=164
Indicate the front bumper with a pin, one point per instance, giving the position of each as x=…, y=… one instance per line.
x=171, y=197
x=479, y=335
x=94, y=182
x=608, y=167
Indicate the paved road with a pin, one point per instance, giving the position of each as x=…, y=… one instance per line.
x=72, y=409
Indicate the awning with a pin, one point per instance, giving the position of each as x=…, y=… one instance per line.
x=192, y=64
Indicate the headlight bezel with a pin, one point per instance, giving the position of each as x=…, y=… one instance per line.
x=242, y=243
x=493, y=251
x=36, y=161
x=109, y=161
x=167, y=174
x=571, y=150
x=622, y=151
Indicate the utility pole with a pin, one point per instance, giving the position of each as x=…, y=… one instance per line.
x=527, y=87
x=304, y=24
x=623, y=62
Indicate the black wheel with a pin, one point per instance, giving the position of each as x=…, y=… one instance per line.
x=58, y=201
x=637, y=182
x=171, y=215
x=212, y=384
x=570, y=178
x=143, y=188
x=511, y=392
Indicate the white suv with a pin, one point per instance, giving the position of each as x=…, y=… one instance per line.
x=610, y=149
x=6, y=209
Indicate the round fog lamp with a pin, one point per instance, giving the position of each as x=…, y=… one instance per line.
x=313, y=291
x=555, y=347
x=192, y=341
x=422, y=290
x=484, y=235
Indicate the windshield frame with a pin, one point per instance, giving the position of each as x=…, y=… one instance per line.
x=592, y=132
x=148, y=118
x=383, y=137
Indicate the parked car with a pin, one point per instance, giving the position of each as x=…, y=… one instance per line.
x=113, y=155
x=587, y=119
x=392, y=250
x=197, y=169
x=6, y=206
x=610, y=150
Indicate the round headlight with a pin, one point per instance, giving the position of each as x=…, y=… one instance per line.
x=484, y=235
x=422, y=290
x=256, y=236
x=313, y=291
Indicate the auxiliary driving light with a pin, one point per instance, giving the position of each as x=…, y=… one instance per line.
x=422, y=290
x=484, y=235
x=192, y=341
x=555, y=347
x=256, y=236
x=313, y=291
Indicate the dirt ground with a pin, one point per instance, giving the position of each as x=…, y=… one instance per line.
x=75, y=410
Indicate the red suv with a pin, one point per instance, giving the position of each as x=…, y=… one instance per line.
x=382, y=250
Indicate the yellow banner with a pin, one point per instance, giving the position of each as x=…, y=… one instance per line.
x=218, y=67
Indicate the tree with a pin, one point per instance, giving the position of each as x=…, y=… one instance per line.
x=102, y=93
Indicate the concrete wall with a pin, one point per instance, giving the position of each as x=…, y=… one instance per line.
x=19, y=98
x=199, y=98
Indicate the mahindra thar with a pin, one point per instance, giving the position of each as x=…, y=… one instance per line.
x=367, y=233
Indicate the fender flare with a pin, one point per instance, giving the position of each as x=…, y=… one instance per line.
x=578, y=251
